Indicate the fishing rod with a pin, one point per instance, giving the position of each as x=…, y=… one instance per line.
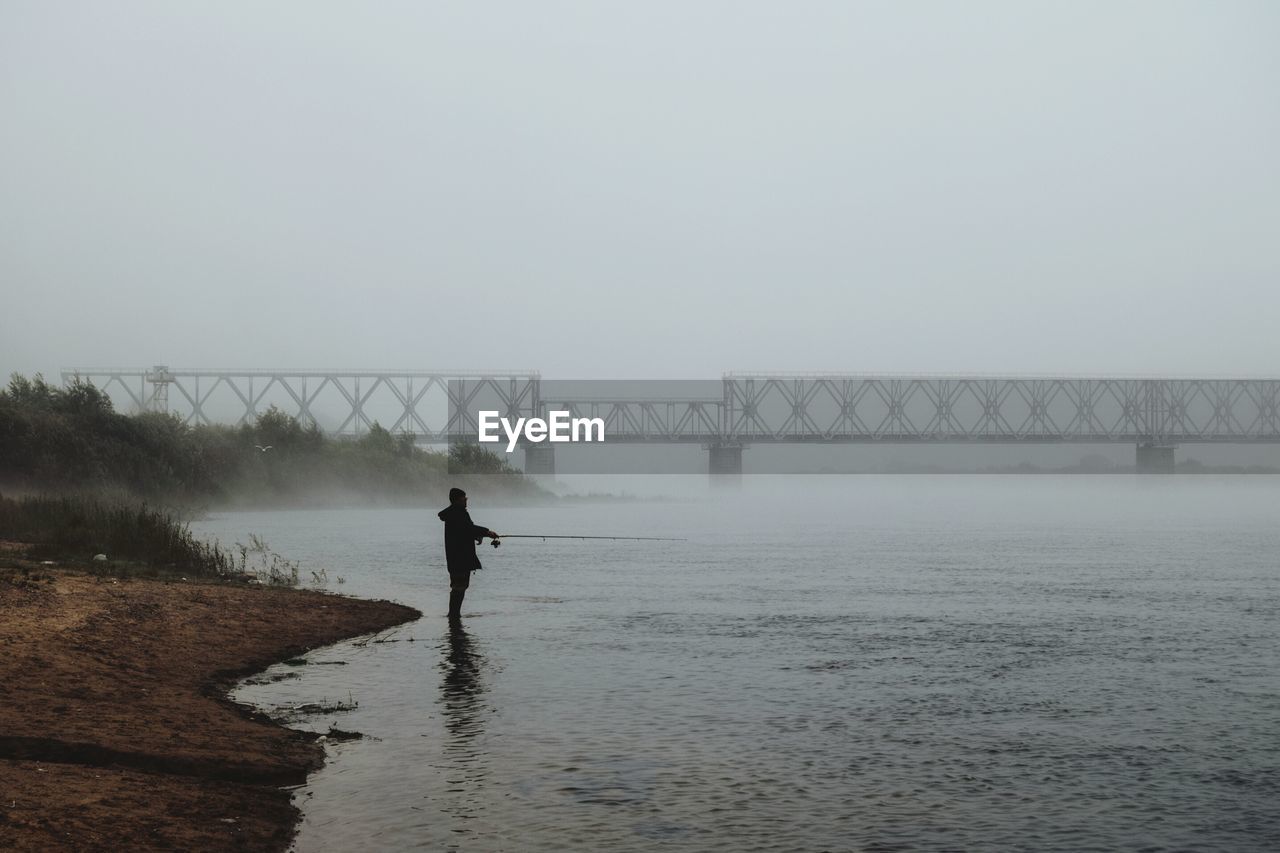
x=496, y=542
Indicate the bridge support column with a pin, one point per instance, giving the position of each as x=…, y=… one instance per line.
x=725, y=463
x=1155, y=458
x=540, y=459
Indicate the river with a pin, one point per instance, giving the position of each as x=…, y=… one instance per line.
x=827, y=663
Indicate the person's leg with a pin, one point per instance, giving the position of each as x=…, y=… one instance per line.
x=458, y=583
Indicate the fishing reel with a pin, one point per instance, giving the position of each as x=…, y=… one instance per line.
x=495, y=543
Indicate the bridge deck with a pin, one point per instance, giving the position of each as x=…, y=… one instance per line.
x=749, y=408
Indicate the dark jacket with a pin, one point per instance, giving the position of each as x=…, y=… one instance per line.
x=460, y=539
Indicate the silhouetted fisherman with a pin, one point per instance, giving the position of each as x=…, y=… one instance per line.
x=461, y=536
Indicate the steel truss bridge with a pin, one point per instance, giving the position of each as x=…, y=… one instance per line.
x=187, y=392
x=440, y=406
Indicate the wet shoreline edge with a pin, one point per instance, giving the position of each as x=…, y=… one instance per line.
x=117, y=730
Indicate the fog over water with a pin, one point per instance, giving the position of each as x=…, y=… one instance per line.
x=827, y=663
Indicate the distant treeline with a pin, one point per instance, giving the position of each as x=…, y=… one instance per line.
x=67, y=440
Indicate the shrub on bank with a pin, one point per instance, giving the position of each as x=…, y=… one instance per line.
x=77, y=528
x=71, y=439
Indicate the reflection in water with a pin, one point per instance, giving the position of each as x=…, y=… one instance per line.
x=462, y=692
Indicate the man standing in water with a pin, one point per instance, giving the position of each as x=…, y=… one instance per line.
x=460, y=539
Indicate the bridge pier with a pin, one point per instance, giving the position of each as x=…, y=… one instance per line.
x=540, y=459
x=724, y=463
x=1155, y=458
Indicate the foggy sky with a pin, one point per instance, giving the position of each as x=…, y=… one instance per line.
x=642, y=189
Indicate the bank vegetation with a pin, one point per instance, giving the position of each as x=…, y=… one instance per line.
x=70, y=440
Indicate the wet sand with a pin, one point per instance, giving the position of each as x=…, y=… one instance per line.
x=115, y=729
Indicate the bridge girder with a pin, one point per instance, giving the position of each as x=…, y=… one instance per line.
x=756, y=408
x=355, y=388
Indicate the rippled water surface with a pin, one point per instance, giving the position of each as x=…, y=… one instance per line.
x=836, y=663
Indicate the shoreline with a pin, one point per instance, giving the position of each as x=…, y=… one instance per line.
x=116, y=729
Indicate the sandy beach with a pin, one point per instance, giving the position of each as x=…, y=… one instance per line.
x=115, y=729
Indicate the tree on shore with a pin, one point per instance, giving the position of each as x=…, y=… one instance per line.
x=71, y=439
